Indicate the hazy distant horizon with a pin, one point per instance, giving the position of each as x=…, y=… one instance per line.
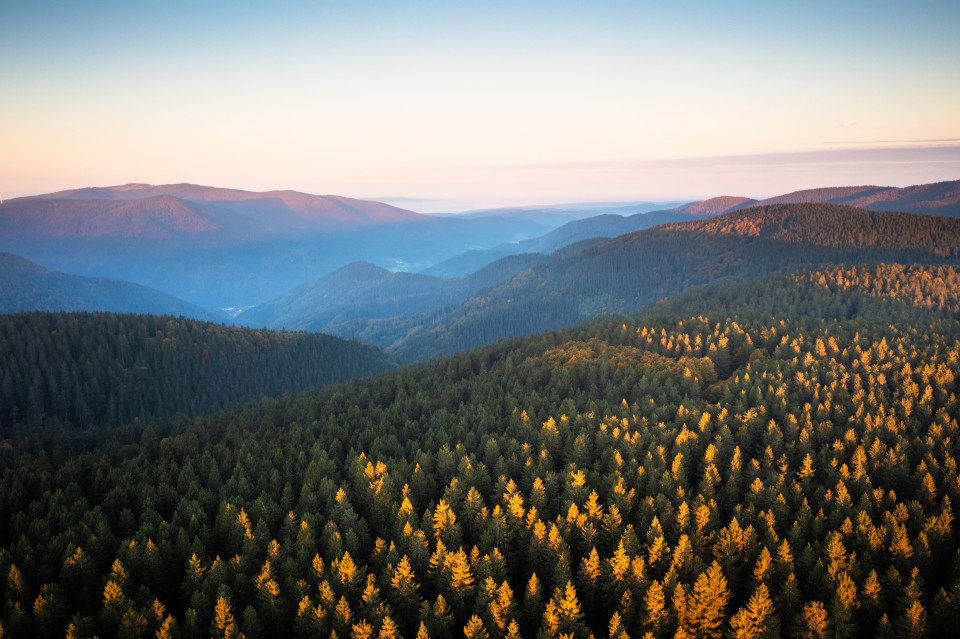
x=756, y=176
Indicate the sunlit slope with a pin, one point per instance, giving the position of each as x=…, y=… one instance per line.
x=624, y=274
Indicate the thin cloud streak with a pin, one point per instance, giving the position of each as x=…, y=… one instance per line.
x=940, y=141
x=887, y=155
x=757, y=175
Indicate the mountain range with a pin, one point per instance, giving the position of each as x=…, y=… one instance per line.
x=620, y=275
x=221, y=248
x=194, y=209
x=287, y=258
x=941, y=198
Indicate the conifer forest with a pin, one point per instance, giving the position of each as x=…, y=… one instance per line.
x=774, y=458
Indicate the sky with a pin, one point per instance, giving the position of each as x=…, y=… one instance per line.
x=460, y=104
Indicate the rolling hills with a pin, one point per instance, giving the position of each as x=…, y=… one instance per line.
x=224, y=248
x=936, y=199
x=627, y=272
x=360, y=292
x=229, y=249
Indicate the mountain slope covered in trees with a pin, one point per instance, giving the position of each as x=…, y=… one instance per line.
x=626, y=273
x=361, y=293
x=788, y=471
x=942, y=198
x=26, y=286
x=100, y=369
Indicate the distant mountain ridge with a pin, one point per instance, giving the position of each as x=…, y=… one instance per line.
x=715, y=206
x=614, y=222
x=228, y=248
x=938, y=198
x=329, y=211
x=155, y=217
x=941, y=198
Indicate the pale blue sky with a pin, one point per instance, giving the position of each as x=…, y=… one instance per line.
x=486, y=103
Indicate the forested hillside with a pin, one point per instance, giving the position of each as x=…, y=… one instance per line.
x=837, y=226
x=784, y=468
x=26, y=286
x=630, y=271
x=349, y=300
x=101, y=369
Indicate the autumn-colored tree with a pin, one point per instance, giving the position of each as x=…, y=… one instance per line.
x=656, y=612
x=813, y=621
x=757, y=619
x=708, y=603
x=223, y=624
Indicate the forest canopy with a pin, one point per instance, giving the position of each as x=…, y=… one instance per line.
x=84, y=370
x=761, y=460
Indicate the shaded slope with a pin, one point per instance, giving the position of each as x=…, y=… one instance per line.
x=357, y=290
x=614, y=223
x=26, y=286
x=360, y=294
x=105, y=369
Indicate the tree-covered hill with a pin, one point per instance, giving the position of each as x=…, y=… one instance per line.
x=939, y=198
x=361, y=294
x=837, y=226
x=102, y=369
x=695, y=471
x=26, y=286
x=628, y=272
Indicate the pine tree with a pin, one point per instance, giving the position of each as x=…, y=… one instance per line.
x=758, y=619
x=474, y=629
x=223, y=625
x=655, y=607
x=813, y=621
x=709, y=601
